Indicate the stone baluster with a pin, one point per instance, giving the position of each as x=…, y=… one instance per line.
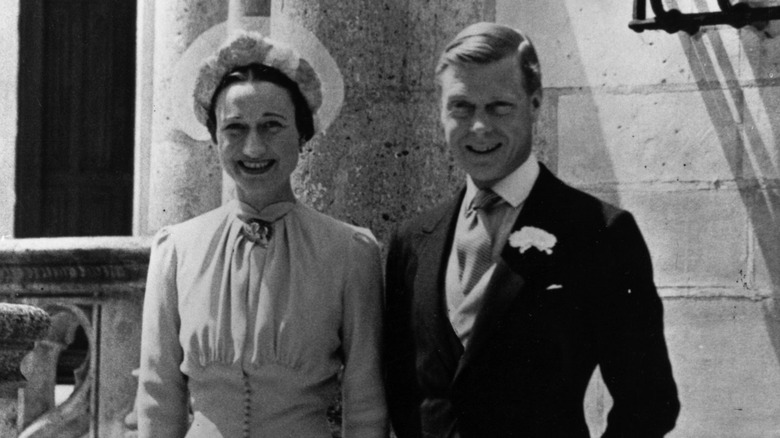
x=20, y=327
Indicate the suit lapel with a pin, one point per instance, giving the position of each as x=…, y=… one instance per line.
x=436, y=241
x=509, y=279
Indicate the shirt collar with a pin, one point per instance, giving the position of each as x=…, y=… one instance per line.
x=513, y=188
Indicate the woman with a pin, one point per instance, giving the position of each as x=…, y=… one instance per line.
x=252, y=309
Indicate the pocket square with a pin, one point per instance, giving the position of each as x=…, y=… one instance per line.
x=554, y=287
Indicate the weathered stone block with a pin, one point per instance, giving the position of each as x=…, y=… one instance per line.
x=373, y=174
x=760, y=55
x=669, y=137
x=696, y=238
x=764, y=216
x=725, y=358
x=589, y=44
x=761, y=133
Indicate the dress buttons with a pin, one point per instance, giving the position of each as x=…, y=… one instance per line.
x=247, y=405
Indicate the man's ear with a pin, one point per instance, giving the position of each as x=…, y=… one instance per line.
x=536, y=102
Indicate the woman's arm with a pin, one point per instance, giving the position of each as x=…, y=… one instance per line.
x=162, y=390
x=364, y=409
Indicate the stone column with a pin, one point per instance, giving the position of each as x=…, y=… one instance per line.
x=184, y=174
x=9, y=72
x=383, y=158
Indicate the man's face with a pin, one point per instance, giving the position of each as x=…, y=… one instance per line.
x=488, y=118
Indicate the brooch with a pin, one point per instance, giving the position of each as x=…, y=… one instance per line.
x=258, y=231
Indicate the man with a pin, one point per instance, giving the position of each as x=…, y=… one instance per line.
x=499, y=308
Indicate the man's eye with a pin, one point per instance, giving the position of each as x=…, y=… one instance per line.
x=502, y=109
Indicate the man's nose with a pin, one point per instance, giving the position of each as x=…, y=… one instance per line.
x=480, y=124
x=255, y=145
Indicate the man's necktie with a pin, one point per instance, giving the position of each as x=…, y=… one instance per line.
x=474, y=248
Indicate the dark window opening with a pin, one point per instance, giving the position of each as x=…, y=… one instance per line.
x=74, y=167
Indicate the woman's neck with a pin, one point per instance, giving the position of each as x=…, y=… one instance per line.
x=259, y=201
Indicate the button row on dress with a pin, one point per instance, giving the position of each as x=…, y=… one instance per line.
x=247, y=405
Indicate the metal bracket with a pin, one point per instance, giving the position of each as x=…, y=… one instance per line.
x=736, y=15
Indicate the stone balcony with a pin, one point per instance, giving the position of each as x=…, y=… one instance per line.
x=92, y=284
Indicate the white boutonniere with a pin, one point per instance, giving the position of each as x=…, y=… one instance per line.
x=534, y=237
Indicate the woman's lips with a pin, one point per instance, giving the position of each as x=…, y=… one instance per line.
x=256, y=167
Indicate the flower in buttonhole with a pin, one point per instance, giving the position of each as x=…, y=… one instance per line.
x=534, y=237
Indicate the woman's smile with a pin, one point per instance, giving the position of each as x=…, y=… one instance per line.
x=256, y=167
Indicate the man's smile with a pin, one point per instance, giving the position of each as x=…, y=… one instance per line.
x=484, y=148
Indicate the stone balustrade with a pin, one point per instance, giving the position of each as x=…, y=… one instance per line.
x=20, y=327
x=94, y=284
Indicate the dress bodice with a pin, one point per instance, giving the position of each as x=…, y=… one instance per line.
x=264, y=331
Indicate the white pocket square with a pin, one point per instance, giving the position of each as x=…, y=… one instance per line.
x=554, y=287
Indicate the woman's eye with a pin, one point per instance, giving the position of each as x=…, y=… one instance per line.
x=461, y=109
x=234, y=129
x=272, y=126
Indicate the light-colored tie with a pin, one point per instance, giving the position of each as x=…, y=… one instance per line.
x=474, y=248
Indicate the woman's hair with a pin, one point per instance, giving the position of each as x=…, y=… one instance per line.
x=485, y=43
x=304, y=119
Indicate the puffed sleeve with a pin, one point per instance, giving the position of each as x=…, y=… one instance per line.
x=162, y=390
x=364, y=409
x=633, y=355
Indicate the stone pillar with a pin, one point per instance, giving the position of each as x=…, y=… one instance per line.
x=384, y=157
x=9, y=48
x=184, y=174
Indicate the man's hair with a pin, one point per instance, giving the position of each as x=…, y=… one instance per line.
x=304, y=119
x=484, y=43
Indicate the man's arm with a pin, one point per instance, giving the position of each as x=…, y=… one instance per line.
x=632, y=350
x=403, y=396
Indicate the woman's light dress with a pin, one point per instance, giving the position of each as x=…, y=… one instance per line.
x=254, y=337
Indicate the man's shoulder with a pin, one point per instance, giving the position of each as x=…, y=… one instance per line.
x=430, y=217
x=574, y=205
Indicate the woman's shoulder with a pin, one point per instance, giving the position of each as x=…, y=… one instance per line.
x=192, y=229
x=327, y=227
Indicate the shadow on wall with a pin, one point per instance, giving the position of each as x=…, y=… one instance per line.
x=578, y=118
x=751, y=160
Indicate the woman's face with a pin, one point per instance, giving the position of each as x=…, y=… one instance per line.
x=258, y=140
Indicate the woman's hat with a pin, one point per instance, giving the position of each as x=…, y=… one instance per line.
x=244, y=48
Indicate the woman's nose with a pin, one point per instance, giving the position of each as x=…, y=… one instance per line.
x=254, y=146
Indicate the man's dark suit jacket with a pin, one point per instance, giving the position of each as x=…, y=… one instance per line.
x=533, y=348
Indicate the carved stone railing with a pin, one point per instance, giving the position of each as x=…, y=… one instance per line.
x=20, y=327
x=93, y=284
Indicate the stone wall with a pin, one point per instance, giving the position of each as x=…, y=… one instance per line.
x=684, y=132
